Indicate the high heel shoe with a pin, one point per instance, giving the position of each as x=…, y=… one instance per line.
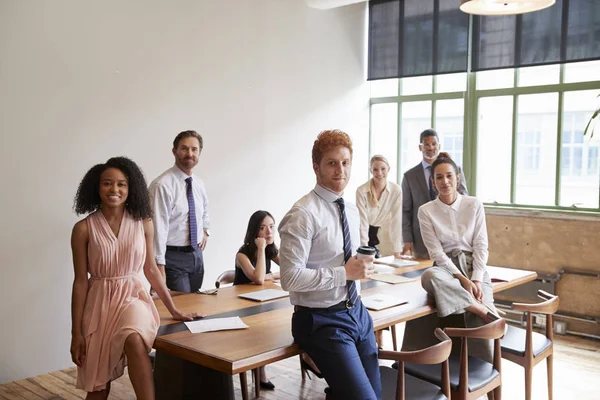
x=306, y=367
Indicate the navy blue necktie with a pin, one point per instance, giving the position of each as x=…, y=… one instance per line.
x=351, y=285
x=432, y=190
x=192, y=213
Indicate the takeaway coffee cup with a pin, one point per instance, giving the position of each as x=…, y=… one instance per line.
x=366, y=252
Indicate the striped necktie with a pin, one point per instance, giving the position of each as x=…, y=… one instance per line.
x=192, y=213
x=351, y=285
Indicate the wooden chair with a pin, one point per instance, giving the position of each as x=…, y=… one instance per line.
x=528, y=348
x=225, y=278
x=470, y=377
x=398, y=386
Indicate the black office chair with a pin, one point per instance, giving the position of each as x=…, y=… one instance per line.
x=225, y=278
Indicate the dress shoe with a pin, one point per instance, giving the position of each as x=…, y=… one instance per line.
x=267, y=385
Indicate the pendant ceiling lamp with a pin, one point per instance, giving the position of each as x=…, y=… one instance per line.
x=503, y=7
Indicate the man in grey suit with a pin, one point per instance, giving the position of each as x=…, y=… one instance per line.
x=418, y=189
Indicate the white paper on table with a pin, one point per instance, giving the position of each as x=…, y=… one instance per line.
x=395, y=262
x=217, y=324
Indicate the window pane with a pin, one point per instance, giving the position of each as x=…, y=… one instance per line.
x=416, y=117
x=384, y=134
x=417, y=85
x=494, y=147
x=451, y=83
x=535, y=76
x=580, y=155
x=582, y=71
x=384, y=88
x=449, y=123
x=536, y=150
x=496, y=79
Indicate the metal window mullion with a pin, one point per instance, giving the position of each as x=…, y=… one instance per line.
x=399, y=146
x=470, y=137
x=418, y=97
x=513, y=164
x=370, y=135
x=432, y=121
x=559, y=130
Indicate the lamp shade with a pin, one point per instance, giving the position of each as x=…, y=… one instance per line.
x=503, y=7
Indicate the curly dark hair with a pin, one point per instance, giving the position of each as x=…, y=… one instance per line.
x=249, y=247
x=87, y=199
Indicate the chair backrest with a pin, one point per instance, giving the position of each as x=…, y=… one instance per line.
x=225, y=278
x=491, y=331
x=549, y=306
x=436, y=354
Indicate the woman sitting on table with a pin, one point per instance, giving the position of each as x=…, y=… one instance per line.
x=379, y=203
x=114, y=319
x=253, y=261
x=454, y=231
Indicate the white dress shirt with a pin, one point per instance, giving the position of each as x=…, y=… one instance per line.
x=168, y=194
x=460, y=225
x=388, y=216
x=312, y=250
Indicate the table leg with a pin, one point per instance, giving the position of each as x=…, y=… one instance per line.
x=178, y=379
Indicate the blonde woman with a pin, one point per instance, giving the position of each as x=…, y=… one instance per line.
x=379, y=203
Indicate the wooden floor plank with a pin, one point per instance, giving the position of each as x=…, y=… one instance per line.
x=57, y=387
x=7, y=394
x=23, y=392
x=575, y=372
x=34, y=387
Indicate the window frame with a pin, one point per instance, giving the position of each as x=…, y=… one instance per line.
x=471, y=100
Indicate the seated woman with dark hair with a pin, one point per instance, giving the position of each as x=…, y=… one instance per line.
x=454, y=231
x=253, y=260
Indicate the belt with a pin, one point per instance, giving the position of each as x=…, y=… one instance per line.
x=342, y=305
x=112, y=278
x=181, y=249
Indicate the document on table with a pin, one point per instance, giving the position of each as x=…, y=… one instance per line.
x=392, y=278
x=395, y=262
x=217, y=324
x=380, y=301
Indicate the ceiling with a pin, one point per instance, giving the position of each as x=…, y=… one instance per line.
x=328, y=4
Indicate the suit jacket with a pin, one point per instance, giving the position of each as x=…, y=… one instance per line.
x=415, y=193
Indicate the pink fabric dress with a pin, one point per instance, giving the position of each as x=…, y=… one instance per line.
x=117, y=303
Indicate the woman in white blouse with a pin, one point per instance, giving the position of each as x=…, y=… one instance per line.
x=454, y=231
x=379, y=203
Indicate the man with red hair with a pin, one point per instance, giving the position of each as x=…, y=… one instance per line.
x=318, y=268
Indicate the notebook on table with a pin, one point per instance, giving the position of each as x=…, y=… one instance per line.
x=264, y=295
x=378, y=302
x=395, y=262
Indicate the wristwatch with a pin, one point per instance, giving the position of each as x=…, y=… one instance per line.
x=207, y=232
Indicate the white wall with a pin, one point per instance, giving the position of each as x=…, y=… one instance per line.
x=81, y=81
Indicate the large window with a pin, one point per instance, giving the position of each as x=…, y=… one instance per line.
x=518, y=133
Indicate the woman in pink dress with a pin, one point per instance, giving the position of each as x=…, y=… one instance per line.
x=114, y=318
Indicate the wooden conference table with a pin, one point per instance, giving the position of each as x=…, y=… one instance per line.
x=201, y=365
